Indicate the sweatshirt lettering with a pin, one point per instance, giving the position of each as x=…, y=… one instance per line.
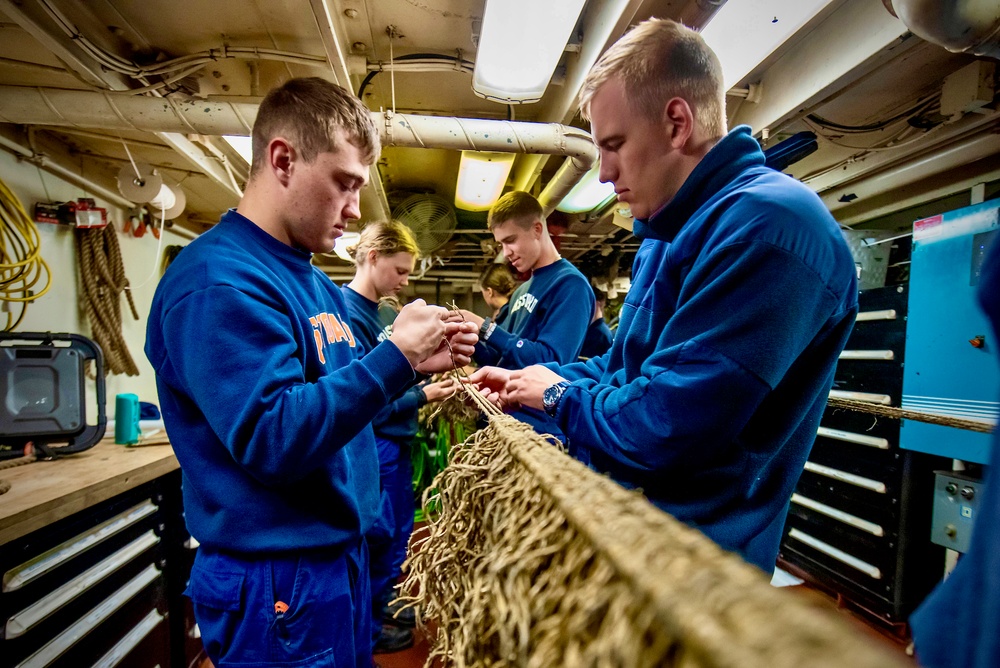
x=526, y=301
x=329, y=328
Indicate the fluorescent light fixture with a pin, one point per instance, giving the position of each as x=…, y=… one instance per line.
x=342, y=243
x=520, y=45
x=588, y=194
x=744, y=33
x=481, y=177
x=243, y=146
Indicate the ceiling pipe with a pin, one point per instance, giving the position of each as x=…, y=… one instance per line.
x=46, y=163
x=86, y=109
x=970, y=26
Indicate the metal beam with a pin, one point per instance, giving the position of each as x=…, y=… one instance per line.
x=195, y=157
x=376, y=205
x=850, y=44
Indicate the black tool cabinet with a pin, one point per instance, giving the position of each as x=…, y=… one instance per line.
x=102, y=587
x=859, y=522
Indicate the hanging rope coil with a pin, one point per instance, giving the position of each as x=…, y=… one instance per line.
x=102, y=281
x=532, y=559
x=21, y=263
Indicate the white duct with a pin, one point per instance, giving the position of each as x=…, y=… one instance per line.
x=85, y=109
x=955, y=155
x=498, y=136
x=966, y=26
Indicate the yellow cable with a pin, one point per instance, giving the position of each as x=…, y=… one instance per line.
x=21, y=263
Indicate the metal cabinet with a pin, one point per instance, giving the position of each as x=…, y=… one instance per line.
x=102, y=587
x=859, y=520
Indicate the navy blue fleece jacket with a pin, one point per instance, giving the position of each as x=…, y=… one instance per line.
x=266, y=403
x=743, y=295
x=398, y=420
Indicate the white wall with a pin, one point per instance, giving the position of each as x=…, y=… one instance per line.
x=61, y=310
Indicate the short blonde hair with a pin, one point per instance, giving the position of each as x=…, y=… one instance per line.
x=313, y=114
x=517, y=206
x=386, y=237
x=657, y=60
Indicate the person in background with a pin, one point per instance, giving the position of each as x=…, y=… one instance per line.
x=266, y=402
x=743, y=295
x=548, y=314
x=384, y=256
x=497, y=284
x=957, y=624
x=598, y=338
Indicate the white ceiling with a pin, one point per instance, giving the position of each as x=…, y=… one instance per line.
x=854, y=65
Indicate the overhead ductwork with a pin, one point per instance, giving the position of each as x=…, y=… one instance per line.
x=108, y=111
x=966, y=26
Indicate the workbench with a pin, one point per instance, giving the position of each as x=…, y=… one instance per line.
x=94, y=558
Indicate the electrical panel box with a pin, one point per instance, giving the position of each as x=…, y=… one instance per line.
x=956, y=506
x=951, y=351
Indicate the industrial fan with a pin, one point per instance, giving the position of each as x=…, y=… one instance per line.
x=431, y=219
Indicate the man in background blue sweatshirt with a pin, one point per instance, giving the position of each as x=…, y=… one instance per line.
x=267, y=403
x=548, y=314
x=743, y=295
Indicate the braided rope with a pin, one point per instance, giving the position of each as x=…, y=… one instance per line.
x=531, y=559
x=9, y=464
x=102, y=279
x=903, y=413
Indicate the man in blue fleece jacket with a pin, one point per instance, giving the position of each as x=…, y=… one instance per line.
x=267, y=403
x=548, y=314
x=743, y=295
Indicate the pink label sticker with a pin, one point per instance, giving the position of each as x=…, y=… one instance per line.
x=928, y=227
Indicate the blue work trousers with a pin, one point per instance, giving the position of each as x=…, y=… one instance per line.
x=391, y=535
x=327, y=622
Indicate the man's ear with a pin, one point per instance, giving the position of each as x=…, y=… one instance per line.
x=678, y=121
x=538, y=228
x=280, y=158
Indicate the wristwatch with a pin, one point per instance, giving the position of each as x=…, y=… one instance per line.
x=552, y=395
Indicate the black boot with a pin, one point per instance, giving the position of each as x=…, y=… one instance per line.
x=393, y=639
x=395, y=614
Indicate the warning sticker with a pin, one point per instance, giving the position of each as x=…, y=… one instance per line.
x=928, y=227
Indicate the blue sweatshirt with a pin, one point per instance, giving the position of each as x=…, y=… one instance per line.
x=397, y=421
x=546, y=321
x=957, y=624
x=743, y=295
x=266, y=403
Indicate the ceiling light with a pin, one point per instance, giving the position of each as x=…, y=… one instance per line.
x=481, y=177
x=744, y=33
x=345, y=241
x=588, y=194
x=520, y=45
x=243, y=146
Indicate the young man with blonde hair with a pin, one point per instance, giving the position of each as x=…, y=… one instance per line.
x=743, y=295
x=267, y=403
x=548, y=315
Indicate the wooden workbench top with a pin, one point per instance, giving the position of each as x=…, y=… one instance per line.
x=43, y=492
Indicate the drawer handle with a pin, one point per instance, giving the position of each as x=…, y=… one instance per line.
x=29, y=571
x=61, y=644
x=844, y=476
x=37, y=612
x=131, y=640
x=876, y=355
x=839, y=515
x=839, y=555
x=851, y=437
x=887, y=314
x=883, y=399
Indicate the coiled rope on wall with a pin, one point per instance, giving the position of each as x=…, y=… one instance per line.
x=532, y=559
x=21, y=263
x=102, y=281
